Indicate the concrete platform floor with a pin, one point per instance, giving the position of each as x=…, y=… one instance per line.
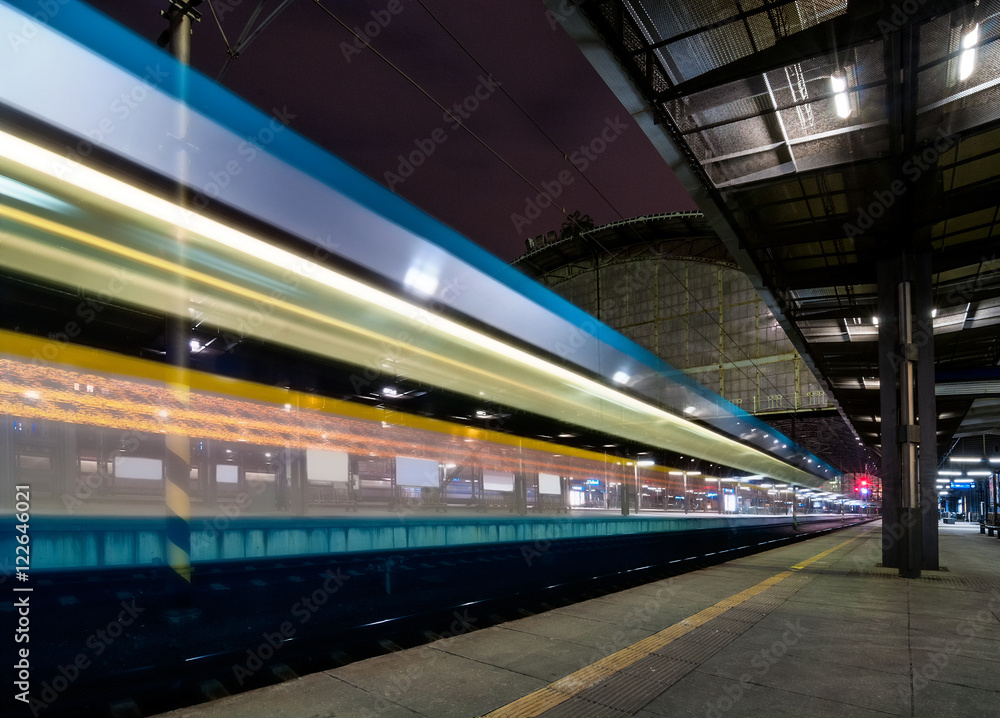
x=813, y=629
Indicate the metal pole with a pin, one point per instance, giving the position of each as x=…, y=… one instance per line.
x=910, y=519
x=685, y=492
x=177, y=472
x=638, y=493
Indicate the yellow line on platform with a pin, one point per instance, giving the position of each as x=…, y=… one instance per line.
x=537, y=702
x=817, y=557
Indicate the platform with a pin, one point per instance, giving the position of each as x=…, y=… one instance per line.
x=817, y=628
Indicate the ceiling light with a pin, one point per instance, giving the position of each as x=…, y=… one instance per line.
x=839, y=85
x=967, y=60
x=620, y=377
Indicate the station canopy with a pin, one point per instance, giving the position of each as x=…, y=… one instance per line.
x=819, y=137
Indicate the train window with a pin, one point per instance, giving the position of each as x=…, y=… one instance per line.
x=34, y=463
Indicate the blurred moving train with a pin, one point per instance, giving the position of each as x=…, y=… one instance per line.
x=302, y=255
x=88, y=435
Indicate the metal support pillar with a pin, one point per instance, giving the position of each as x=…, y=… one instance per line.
x=909, y=417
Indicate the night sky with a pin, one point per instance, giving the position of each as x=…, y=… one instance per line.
x=536, y=116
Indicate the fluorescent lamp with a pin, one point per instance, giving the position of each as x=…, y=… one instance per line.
x=949, y=473
x=645, y=462
x=840, y=101
x=967, y=60
x=979, y=473
x=966, y=459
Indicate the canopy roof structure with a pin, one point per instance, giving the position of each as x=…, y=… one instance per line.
x=819, y=137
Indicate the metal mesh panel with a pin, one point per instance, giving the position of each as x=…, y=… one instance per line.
x=762, y=30
x=727, y=103
x=966, y=108
x=809, y=13
x=672, y=19
x=759, y=165
x=837, y=149
x=708, y=50
x=820, y=117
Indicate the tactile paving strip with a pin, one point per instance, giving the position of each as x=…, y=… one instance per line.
x=952, y=581
x=699, y=645
x=624, y=692
x=576, y=707
x=622, y=683
x=662, y=670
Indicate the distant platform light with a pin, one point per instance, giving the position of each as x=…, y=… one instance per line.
x=620, y=377
x=389, y=391
x=195, y=346
x=967, y=60
x=689, y=410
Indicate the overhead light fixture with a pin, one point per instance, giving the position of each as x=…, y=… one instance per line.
x=620, y=377
x=967, y=60
x=645, y=462
x=838, y=84
x=966, y=459
x=689, y=410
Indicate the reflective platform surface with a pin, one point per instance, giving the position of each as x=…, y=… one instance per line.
x=816, y=628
